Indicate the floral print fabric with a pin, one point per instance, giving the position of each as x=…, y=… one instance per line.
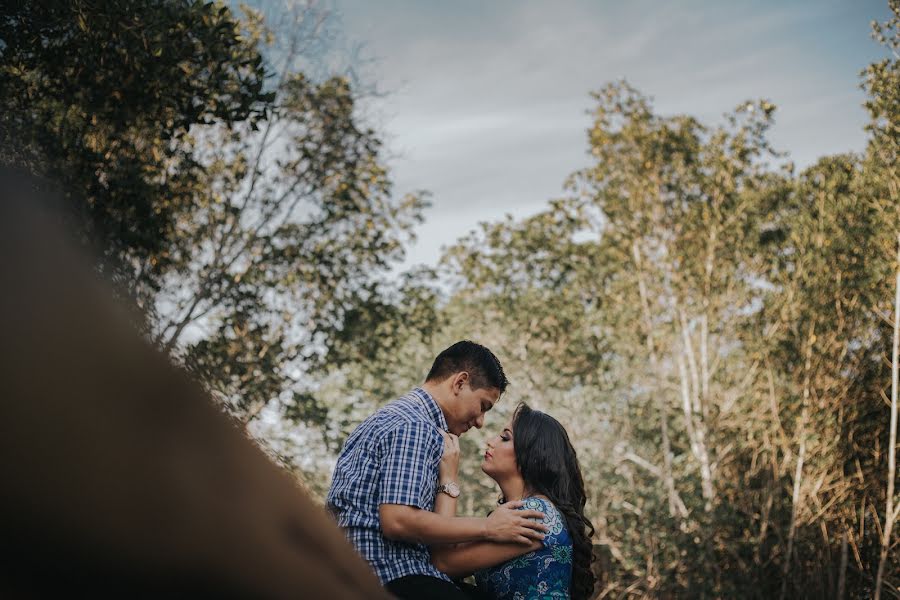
x=543, y=573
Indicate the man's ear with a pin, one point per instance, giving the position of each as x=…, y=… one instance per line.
x=459, y=380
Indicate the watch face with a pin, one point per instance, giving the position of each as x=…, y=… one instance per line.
x=451, y=489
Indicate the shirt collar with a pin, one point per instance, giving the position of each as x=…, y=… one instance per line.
x=431, y=408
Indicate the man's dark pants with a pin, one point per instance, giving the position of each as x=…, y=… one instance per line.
x=416, y=587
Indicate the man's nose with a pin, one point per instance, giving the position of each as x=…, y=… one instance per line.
x=479, y=421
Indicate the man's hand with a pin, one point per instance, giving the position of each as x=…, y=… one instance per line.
x=449, y=465
x=507, y=524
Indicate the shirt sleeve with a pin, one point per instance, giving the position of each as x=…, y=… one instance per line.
x=552, y=518
x=409, y=458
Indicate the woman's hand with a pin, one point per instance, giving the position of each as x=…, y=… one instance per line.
x=449, y=465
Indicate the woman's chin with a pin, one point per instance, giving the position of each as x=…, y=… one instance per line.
x=488, y=470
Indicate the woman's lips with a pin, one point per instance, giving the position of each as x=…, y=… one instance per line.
x=487, y=455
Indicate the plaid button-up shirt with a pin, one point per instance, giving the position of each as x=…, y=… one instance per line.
x=391, y=458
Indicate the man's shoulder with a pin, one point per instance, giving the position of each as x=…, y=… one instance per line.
x=405, y=412
x=405, y=409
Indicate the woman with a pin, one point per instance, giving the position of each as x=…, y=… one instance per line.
x=534, y=462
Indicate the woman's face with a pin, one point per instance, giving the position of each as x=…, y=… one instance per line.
x=500, y=457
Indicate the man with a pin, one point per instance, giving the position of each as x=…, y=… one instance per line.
x=386, y=477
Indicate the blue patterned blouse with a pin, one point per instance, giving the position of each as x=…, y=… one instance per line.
x=543, y=573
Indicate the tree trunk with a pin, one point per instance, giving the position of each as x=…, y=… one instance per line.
x=690, y=403
x=842, y=576
x=698, y=443
x=704, y=362
x=889, y=514
x=691, y=363
x=801, y=456
x=676, y=505
x=795, y=502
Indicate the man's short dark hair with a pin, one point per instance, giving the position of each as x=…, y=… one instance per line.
x=484, y=370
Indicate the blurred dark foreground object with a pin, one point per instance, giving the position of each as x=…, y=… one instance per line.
x=118, y=476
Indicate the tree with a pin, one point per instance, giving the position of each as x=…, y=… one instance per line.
x=294, y=233
x=882, y=82
x=818, y=257
x=100, y=97
x=244, y=204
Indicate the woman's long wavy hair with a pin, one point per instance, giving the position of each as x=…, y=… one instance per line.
x=549, y=466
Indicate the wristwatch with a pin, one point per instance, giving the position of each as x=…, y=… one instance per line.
x=450, y=488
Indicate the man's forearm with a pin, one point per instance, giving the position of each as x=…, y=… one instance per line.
x=411, y=524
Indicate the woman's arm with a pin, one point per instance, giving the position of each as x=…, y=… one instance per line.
x=460, y=560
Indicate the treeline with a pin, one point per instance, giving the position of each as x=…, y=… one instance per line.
x=714, y=328
x=716, y=331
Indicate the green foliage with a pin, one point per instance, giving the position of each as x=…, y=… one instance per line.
x=244, y=205
x=290, y=242
x=100, y=96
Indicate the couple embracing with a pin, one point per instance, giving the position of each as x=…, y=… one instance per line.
x=395, y=489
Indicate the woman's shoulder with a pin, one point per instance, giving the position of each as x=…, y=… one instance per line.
x=539, y=503
x=552, y=517
x=531, y=502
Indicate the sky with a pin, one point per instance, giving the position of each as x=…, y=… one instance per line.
x=485, y=104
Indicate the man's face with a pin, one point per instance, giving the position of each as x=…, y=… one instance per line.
x=470, y=407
